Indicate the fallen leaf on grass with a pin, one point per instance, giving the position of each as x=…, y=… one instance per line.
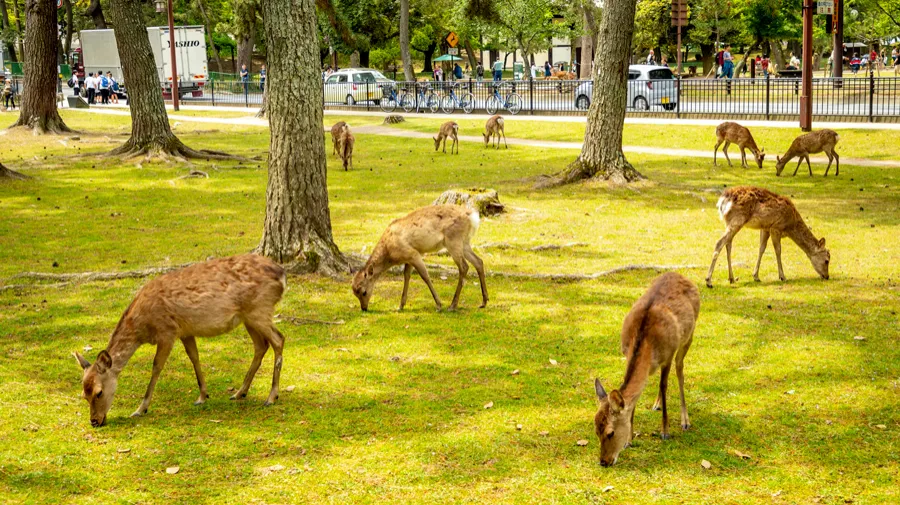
x=488, y=405
x=741, y=454
x=789, y=392
x=544, y=433
x=881, y=426
x=342, y=349
x=123, y=451
x=515, y=372
x=608, y=489
x=859, y=338
x=88, y=348
x=706, y=464
x=776, y=494
x=582, y=442
x=519, y=427
x=215, y=420
x=172, y=470
x=290, y=388
x=271, y=469
x=553, y=362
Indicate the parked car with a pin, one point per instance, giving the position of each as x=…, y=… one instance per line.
x=353, y=85
x=648, y=85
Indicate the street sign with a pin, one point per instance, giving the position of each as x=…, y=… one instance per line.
x=59, y=4
x=453, y=51
x=452, y=39
x=825, y=7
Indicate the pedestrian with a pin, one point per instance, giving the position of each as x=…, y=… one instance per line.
x=262, y=78
x=546, y=69
x=855, y=63
x=793, y=63
x=245, y=78
x=91, y=84
x=457, y=71
x=727, y=63
x=76, y=86
x=534, y=71
x=720, y=63
x=651, y=59
x=104, y=88
x=468, y=72
x=438, y=73
x=479, y=72
x=498, y=70
x=113, y=88
x=8, y=95
x=895, y=56
x=873, y=58
x=764, y=64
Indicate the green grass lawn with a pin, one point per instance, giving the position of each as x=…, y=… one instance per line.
x=389, y=407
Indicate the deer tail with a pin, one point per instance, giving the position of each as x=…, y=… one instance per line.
x=475, y=218
x=724, y=205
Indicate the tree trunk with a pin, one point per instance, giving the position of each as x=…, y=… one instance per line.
x=38, y=110
x=95, y=11
x=707, y=54
x=587, y=40
x=245, y=50
x=601, y=156
x=19, y=31
x=297, y=228
x=354, y=59
x=428, y=53
x=743, y=64
x=470, y=53
x=70, y=30
x=364, y=58
x=209, y=34
x=4, y=19
x=263, y=109
x=408, y=73
x=6, y=173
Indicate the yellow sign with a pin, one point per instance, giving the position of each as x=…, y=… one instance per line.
x=452, y=39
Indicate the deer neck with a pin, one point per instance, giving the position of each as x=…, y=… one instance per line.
x=801, y=236
x=379, y=260
x=121, y=347
x=751, y=144
x=638, y=371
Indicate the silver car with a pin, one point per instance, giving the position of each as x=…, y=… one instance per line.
x=648, y=85
x=353, y=85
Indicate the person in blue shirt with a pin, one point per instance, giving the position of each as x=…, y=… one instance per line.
x=245, y=78
x=262, y=78
x=457, y=71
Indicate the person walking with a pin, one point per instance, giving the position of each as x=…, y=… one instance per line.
x=91, y=85
x=546, y=69
x=104, y=88
x=8, y=95
x=113, y=88
x=479, y=72
x=245, y=78
x=534, y=71
x=727, y=63
x=457, y=71
x=651, y=59
x=720, y=63
x=76, y=86
x=764, y=64
x=262, y=78
x=498, y=70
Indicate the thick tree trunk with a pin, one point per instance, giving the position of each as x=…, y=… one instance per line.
x=601, y=156
x=428, y=53
x=38, y=110
x=743, y=64
x=354, y=59
x=471, y=54
x=777, y=53
x=408, y=73
x=209, y=35
x=707, y=54
x=245, y=50
x=95, y=11
x=264, y=108
x=4, y=25
x=19, y=30
x=70, y=29
x=587, y=40
x=297, y=228
x=6, y=173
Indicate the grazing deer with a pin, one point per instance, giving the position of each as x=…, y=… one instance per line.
x=774, y=216
x=733, y=133
x=425, y=230
x=336, y=135
x=345, y=146
x=202, y=300
x=658, y=328
x=448, y=129
x=494, y=127
x=812, y=143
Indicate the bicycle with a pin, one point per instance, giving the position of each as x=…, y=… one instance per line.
x=390, y=100
x=466, y=101
x=511, y=102
x=427, y=100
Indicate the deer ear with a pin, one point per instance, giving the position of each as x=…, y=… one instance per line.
x=81, y=361
x=434, y=139
x=104, y=361
x=616, y=402
x=370, y=271
x=822, y=242
x=598, y=388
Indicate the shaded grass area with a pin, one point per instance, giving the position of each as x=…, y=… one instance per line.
x=389, y=407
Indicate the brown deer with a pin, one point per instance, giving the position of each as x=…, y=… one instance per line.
x=812, y=143
x=733, y=133
x=336, y=135
x=449, y=129
x=658, y=328
x=203, y=300
x=774, y=216
x=494, y=128
x=345, y=146
x=425, y=230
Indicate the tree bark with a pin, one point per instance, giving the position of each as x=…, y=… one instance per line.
x=6, y=173
x=38, y=110
x=245, y=50
x=601, y=156
x=19, y=29
x=297, y=229
x=95, y=11
x=428, y=53
x=70, y=29
x=4, y=24
x=408, y=73
x=471, y=54
x=587, y=40
x=209, y=34
x=264, y=108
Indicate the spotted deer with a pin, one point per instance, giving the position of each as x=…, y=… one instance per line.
x=345, y=146
x=812, y=143
x=336, y=135
x=494, y=128
x=425, y=230
x=203, y=300
x=733, y=133
x=658, y=329
x=449, y=129
x=774, y=216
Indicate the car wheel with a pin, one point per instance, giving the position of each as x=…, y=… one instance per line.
x=640, y=103
x=350, y=100
x=583, y=102
x=669, y=106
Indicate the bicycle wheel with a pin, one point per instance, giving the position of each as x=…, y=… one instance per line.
x=389, y=103
x=467, y=102
x=433, y=102
x=513, y=103
x=407, y=102
x=447, y=105
x=492, y=105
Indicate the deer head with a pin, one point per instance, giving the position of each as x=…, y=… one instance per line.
x=612, y=423
x=779, y=165
x=437, y=143
x=98, y=383
x=820, y=258
x=487, y=138
x=364, y=285
x=760, y=156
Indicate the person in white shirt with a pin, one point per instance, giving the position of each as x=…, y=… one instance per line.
x=534, y=71
x=90, y=84
x=104, y=84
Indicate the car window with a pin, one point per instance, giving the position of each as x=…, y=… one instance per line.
x=342, y=78
x=363, y=77
x=633, y=75
x=661, y=74
x=378, y=75
x=331, y=80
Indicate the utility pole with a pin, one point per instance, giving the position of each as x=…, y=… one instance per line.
x=679, y=20
x=806, y=93
x=175, y=84
x=838, y=51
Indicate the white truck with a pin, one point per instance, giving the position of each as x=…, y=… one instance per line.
x=100, y=54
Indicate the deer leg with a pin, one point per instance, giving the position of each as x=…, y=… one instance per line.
x=663, y=385
x=419, y=265
x=725, y=152
x=407, y=271
x=631, y=433
x=657, y=402
x=837, y=163
x=445, y=146
x=159, y=361
x=456, y=252
x=260, y=346
x=190, y=347
x=679, y=372
x=275, y=339
x=716, y=152
x=808, y=165
x=726, y=238
x=503, y=131
x=728, y=257
x=763, y=240
x=830, y=159
x=479, y=267
x=799, y=161
x=776, y=244
x=744, y=158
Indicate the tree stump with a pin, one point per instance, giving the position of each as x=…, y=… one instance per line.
x=394, y=119
x=485, y=201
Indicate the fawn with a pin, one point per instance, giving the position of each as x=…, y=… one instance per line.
x=812, y=143
x=494, y=128
x=336, y=135
x=658, y=328
x=345, y=146
x=774, y=216
x=425, y=230
x=203, y=300
x=733, y=133
x=448, y=129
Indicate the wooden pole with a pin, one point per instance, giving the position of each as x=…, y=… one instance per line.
x=806, y=93
x=175, y=85
x=838, y=32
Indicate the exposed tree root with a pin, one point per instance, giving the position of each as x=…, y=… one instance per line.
x=618, y=172
x=96, y=276
x=42, y=125
x=170, y=147
x=195, y=174
x=6, y=173
x=300, y=321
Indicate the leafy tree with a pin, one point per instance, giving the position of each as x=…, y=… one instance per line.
x=529, y=25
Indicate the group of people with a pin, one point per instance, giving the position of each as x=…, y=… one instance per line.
x=245, y=77
x=873, y=60
x=106, y=85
